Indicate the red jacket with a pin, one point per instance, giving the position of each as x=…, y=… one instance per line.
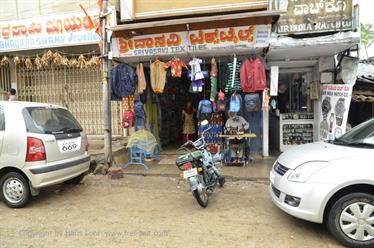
x=252, y=76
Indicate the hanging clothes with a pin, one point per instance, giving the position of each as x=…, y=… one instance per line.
x=142, y=84
x=213, y=80
x=221, y=102
x=233, y=83
x=122, y=81
x=158, y=76
x=139, y=115
x=197, y=85
x=127, y=119
x=176, y=65
x=196, y=73
x=252, y=75
x=265, y=99
x=128, y=103
x=223, y=75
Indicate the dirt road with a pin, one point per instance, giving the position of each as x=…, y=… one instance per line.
x=152, y=212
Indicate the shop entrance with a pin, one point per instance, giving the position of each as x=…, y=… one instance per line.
x=173, y=102
x=179, y=108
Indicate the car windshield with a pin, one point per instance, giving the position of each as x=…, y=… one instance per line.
x=49, y=120
x=361, y=135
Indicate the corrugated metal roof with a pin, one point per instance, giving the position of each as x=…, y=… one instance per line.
x=362, y=98
x=365, y=72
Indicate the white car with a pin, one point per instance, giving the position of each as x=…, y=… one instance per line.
x=40, y=145
x=331, y=183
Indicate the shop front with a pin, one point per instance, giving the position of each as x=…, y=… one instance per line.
x=306, y=62
x=201, y=69
x=55, y=59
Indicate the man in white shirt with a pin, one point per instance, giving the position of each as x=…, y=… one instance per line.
x=236, y=122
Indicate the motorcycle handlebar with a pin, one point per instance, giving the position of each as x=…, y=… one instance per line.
x=206, y=130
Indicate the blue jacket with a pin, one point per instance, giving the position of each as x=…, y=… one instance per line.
x=122, y=81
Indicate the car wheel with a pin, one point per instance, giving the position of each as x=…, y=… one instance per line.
x=15, y=191
x=76, y=180
x=351, y=220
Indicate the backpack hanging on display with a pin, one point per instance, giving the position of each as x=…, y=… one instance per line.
x=204, y=110
x=235, y=103
x=252, y=102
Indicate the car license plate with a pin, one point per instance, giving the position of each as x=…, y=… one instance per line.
x=69, y=145
x=272, y=177
x=190, y=173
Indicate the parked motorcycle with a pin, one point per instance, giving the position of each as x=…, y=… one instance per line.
x=200, y=169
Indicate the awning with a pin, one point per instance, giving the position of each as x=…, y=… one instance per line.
x=195, y=23
x=287, y=48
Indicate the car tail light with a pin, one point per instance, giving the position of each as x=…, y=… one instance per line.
x=35, y=150
x=187, y=166
x=86, y=144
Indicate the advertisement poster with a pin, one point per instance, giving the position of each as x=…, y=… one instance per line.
x=274, y=75
x=245, y=37
x=336, y=99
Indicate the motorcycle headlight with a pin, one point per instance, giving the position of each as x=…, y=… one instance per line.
x=303, y=172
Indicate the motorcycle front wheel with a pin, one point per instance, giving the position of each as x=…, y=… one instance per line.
x=200, y=193
x=201, y=197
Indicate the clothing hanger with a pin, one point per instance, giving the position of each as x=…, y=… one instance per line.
x=252, y=56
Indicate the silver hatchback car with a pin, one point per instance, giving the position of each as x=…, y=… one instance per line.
x=40, y=145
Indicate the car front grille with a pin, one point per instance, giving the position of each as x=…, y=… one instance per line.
x=280, y=169
x=275, y=191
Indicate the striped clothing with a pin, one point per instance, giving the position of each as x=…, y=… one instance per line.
x=230, y=88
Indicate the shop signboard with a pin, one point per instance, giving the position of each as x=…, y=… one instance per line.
x=313, y=16
x=146, y=9
x=232, y=38
x=49, y=31
x=336, y=99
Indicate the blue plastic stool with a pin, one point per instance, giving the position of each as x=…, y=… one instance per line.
x=137, y=156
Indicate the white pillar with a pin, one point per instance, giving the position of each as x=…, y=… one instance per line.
x=265, y=133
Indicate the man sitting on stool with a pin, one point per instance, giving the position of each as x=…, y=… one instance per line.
x=236, y=125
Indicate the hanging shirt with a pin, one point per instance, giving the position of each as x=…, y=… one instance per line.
x=176, y=66
x=233, y=83
x=252, y=75
x=196, y=73
x=142, y=84
x=122, y=81
x=158, y=76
